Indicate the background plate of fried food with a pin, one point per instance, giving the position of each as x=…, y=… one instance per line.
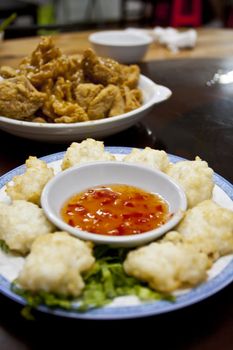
x=196, y=259
x=54, y=97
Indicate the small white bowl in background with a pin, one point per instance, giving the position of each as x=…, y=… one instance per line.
x=121, y=45
x=77, y=179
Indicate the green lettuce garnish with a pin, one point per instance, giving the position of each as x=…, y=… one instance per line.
x=4, y=246
x=104, y=282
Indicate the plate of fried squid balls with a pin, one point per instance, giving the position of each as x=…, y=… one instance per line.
x=190, y=263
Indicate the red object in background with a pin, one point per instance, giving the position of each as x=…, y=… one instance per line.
x=162, y=13
x=229, y=18
x=186, y=13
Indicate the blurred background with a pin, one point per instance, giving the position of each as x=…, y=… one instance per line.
x=36, y=17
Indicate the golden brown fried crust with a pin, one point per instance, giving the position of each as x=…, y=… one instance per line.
x=63, y=90
x=118, y=106
x=44, y=52
x=8, y=72
x=85, y=93
x=62, y=66
x=18, y=98
x=38, y=120
x=131, y=75
x=61, y=111
x=99, y=70
x=47, y=62
x=132, y=98
x=102, y=103
x=56, y=88
x=68, y=112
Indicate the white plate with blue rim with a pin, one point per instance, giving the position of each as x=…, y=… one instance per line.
x=219, y=276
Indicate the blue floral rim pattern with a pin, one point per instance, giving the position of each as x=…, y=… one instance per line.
x=195, y=295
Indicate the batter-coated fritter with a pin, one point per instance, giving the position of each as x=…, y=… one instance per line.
x=50, y=87
x=105, y=71
x=18, y=98
x=150, y=157
x=55, y=265
x=203, y=243
x=85, y=93
x=101, y=70
x=166, y=266
x=210, y=227
x=29, y=185
x=7, y=72
x=195, y=177
x=100, y=106
x=21, y=223
x=86, y=151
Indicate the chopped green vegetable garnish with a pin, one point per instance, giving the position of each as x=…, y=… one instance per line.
x=26, y=312
x=104, y=282
x=42, y=297
x=4, y=246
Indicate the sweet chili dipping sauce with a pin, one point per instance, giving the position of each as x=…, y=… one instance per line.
x=115, y=210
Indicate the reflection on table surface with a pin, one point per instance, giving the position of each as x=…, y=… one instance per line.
x=211, y=43
x=196, y=120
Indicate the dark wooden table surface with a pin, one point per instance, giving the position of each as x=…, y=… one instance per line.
x=197, y=120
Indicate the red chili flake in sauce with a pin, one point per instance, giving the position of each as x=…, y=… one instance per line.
x=115, y=210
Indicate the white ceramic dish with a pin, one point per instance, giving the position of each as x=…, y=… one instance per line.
x=121, y=45
x=219, y=276
x=152, y=94
x=77, y=179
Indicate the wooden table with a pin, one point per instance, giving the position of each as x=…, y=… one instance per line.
x=212, y=43
x=197, y=120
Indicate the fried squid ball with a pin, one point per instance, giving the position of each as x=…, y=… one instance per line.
x=201, y=243
x=21, y=223
x=209, y=225
x=55, y=265
x=151, y=157
x=86, y=151
x=195, y=177
x=167, y=266
x=29, y=185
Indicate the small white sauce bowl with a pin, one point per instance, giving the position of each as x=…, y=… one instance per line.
x=121, y=45
x=79, y=178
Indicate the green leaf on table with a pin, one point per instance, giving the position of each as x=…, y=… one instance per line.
x=6, y=22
